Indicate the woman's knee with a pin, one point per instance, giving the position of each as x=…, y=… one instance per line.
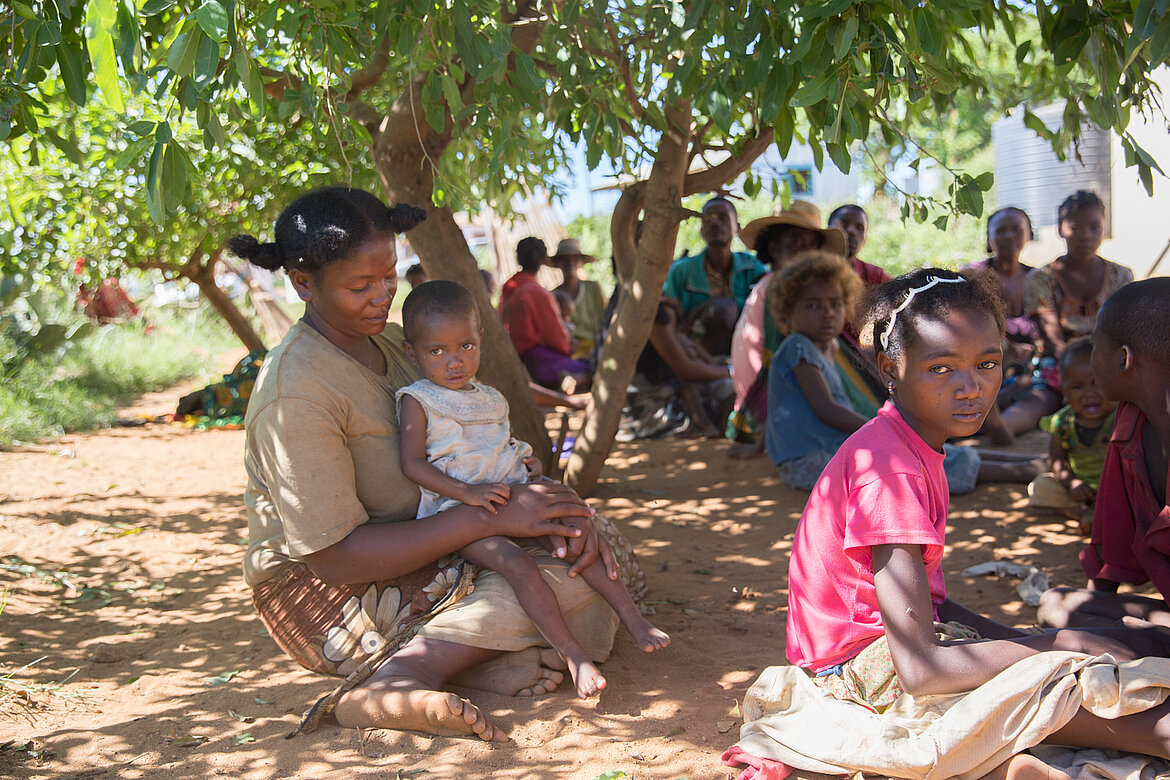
x=1055, y=607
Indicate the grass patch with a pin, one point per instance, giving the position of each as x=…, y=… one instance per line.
x=82, y=389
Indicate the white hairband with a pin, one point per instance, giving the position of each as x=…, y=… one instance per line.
x=931, y=281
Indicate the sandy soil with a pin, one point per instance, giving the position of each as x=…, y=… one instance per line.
x=136, y=602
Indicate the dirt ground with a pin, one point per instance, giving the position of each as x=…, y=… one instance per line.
x=131, y=634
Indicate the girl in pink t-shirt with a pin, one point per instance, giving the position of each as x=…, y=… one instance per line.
x=868, y=611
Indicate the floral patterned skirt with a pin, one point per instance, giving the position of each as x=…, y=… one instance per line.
x=332, y=629
x=869, y=678
x=335, y=629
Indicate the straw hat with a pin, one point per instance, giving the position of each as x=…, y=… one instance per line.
x=802, y=214
x=570, y=247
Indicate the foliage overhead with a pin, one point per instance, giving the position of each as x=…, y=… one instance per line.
x=830, y=73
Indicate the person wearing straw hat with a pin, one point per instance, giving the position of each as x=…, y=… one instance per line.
x=586, y=294
x=777, y=239
x=712, y=274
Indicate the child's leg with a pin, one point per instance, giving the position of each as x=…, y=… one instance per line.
x=1004, y=467
x=1145, y=732
x=1065, y=607
x=646, y=635
x=504, y=556
x=692, y=399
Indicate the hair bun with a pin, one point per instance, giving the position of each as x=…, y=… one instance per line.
x=403, y=216
x=266, y=256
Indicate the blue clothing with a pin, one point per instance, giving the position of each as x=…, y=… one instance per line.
x=686, y=280
x=794, y=430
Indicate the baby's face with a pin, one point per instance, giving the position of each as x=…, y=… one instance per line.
x=1083, y=395
x=446, y=349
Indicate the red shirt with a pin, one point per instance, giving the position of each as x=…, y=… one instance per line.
x=1131, y=528
x=531, y=316
x=870, y=273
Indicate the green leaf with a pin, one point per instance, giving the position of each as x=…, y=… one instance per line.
x=66, y=146
x=155, y=195
x=206, y=62
x=242, y=739
x=222, y=679
x=846, y=34
x=214, y=20
x=181, y=55
x=100, y=23
x=451, y=93
x=72, y=64
x=815, y=90
x=156, y=7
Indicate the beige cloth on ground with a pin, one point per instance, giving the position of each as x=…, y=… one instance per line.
x=1046, y=492
x=965, y=735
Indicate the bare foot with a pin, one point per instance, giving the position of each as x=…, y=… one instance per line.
x=402, y=703
x=1024, y=766
x=648, y=637
x=534, y=671
x=746, y=450
x=586, y=676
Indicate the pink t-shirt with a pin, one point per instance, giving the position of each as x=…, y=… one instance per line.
x=884, y=486
x=747, y=343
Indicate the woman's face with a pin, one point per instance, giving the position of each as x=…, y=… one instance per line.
x=352, y=297
x=789, y=243
x=1006, y=234
x=1083, y=230
x=947, y=378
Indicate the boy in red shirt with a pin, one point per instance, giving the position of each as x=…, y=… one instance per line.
x=1131, y=524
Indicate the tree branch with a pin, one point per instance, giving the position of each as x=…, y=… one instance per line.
x=705, y=181
x=369, y=74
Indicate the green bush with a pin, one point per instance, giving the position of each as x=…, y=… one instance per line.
x=46, y=396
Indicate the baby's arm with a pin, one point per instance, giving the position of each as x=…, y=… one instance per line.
x=816, y=391
x=924, y=664
x=1077, y=488
x=412, y=424
x=535, y=470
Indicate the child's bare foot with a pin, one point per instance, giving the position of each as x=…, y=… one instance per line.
x=586, y=676
x=647, y=636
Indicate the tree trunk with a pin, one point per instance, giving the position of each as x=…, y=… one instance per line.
x=661, y=197
x=642, y=269
x=203, y=275
x=404, y=165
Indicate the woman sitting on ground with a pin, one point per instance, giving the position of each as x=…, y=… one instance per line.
x=343, y=576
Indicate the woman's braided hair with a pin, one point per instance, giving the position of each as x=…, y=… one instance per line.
x=324, y=226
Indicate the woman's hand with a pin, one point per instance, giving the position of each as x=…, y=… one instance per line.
x=540, y=508
x=583, y=550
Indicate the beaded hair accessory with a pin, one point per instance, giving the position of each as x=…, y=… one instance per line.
x=931, y=281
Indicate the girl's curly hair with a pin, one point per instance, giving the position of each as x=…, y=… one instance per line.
x=812, y=267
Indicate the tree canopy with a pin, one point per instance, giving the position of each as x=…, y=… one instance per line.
x=471, y=102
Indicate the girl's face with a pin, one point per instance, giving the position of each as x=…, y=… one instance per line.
x=819, y=313
x=1007, y=234
x=351, y=298
x=947, y=379
x=1083, y=230
x=446, y=349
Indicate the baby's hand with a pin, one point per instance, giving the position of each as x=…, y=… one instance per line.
x=535, y=471
x=487, y=495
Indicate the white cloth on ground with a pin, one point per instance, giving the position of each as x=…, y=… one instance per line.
x=966, y=735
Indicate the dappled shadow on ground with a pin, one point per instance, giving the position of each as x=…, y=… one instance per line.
x=134, y=543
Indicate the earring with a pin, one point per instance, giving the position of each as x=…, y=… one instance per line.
x=890, y=386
